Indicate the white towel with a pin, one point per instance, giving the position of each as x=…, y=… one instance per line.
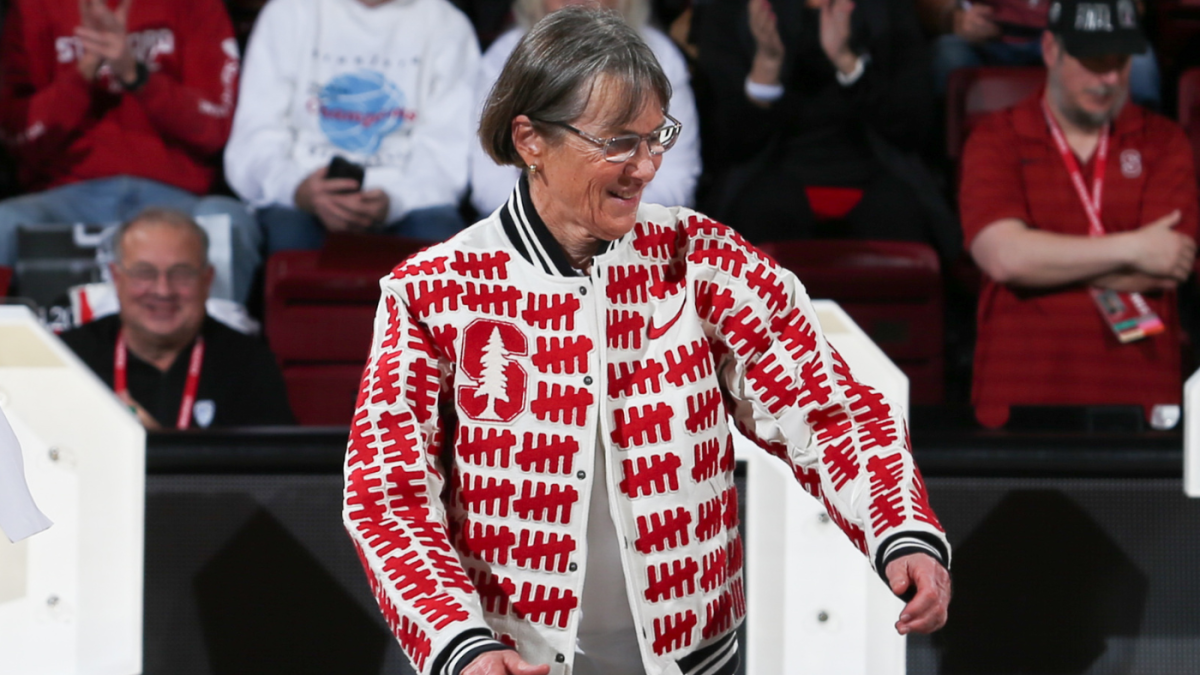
x=19, y=516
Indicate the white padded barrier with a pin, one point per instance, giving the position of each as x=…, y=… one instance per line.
x=71, y=596
x=1191, y=436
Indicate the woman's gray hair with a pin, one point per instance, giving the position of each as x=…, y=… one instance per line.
x=162, y=216
x=552, y=73
x=529, y=12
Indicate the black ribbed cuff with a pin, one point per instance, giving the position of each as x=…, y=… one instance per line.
x=906, y=543
x=463, y=649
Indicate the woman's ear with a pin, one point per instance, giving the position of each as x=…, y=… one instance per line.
x=529, y=143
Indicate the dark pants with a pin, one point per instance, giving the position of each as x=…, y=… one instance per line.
x=292, y=229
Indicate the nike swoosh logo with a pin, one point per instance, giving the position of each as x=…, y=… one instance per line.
x=654, y=332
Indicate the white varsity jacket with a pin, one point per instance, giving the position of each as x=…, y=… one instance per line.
x=495, y=369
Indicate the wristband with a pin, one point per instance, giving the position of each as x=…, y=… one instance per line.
x=767, y=93
x=143, y=74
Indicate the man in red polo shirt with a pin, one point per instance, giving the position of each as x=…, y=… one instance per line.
x=1081, y=210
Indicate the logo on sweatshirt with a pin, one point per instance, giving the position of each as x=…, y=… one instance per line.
x=358, y=110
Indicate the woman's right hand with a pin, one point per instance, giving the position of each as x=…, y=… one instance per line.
x=503, y=662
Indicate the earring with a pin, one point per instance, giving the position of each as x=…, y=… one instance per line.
x=532, y=169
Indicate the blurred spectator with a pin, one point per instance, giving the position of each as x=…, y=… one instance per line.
x=384, y=84
x=828, y=94
x=175, y=366
x=675, y=183
x=1079, y=207
x=1008, y=33
x=110, y=108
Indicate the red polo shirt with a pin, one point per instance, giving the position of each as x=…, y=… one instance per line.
x=1044, y=347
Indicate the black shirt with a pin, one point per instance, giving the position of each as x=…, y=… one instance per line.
x=240, y=384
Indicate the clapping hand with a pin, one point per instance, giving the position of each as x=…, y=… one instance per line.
x=835, y=34
x=102, y=32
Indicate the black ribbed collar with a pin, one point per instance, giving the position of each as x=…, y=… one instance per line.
x=530, y=236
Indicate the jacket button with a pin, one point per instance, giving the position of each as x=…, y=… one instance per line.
x=573, y=567
x=581, y=475
x=582, y=291
x=560, y=658
x=587, y=379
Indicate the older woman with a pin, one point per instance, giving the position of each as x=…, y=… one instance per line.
x=540, y=472
x=676, y=182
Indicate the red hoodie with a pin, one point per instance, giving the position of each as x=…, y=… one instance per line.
x=64, y=129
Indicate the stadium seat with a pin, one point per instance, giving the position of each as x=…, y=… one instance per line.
x=1174, y=30
x=973, y=92
x=320, y=309
x=5, y=277
x=892, y=290
x=1189, y=108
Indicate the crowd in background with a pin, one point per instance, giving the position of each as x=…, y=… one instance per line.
x=291, y=119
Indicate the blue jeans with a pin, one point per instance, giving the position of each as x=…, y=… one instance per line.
x=951, y=52
x=114, y=200
x=290, y=229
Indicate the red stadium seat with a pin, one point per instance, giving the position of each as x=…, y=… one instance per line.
x=892, y=290
x=1189, y=108
x=973, y=92
x=5, y=277
x=1175, y=33
x=320, y=309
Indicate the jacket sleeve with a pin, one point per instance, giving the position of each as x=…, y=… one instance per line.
x=392, y=507
x=436, y=170
x=258, y=162
x=37, y=122
x=793, y=394
x=196, y=110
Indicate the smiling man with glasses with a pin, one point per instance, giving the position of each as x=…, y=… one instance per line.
x=162, y=354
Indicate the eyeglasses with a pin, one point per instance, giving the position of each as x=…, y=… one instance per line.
x=178, y=276
x=620, y=148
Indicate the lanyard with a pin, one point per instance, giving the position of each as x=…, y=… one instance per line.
x=120, y=385
x=1091, y=203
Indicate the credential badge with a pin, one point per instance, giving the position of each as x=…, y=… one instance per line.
x=204, y=411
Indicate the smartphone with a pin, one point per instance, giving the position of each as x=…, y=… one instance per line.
x=340, y=167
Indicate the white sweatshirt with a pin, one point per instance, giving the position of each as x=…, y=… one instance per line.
x=389, y=87
x=675, y=182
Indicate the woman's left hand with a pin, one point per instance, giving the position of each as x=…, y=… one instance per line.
x=835, y=34
x=926, y=612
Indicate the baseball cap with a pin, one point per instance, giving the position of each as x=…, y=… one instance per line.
x=1091, y=28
